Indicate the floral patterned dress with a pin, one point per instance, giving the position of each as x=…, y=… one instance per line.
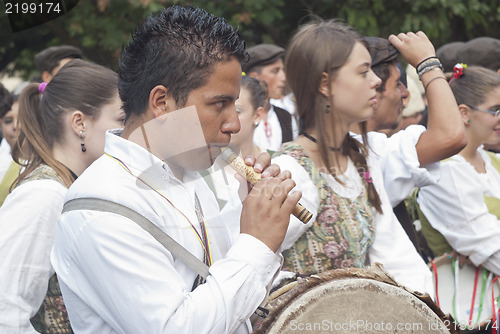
x=342, y=233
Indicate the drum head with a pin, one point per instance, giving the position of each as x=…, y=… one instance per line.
x=353, y=305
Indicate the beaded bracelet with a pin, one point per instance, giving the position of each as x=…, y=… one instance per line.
x=430, y=67
x=425, y=61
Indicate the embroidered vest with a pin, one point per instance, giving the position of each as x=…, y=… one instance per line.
x=342, y=233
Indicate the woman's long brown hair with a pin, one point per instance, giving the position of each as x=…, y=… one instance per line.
x=324, y=47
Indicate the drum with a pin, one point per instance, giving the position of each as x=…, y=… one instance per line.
x=351, y=301
x=466, y=293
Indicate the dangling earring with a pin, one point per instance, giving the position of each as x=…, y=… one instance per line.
x=327, y=111
x=82, y=143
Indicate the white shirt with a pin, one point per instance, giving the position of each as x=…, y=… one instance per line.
x=274, y=141
x=4, y=146
x=28, y=220
x=391, y=245
x=5, y=158
x=116, y=278
x=398, y=160
x=455, y=207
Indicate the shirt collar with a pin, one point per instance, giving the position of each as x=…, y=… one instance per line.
x=138, y=158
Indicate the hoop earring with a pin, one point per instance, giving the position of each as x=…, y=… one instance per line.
x=327, y=111
x=82, y=144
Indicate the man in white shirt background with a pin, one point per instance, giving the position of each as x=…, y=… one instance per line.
x=409, y=158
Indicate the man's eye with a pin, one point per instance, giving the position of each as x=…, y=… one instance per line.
x=220, y=104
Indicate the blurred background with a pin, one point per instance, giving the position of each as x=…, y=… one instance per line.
x=100, y=27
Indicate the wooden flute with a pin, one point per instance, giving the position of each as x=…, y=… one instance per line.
x=239, y=165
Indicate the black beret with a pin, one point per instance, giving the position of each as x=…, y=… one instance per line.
x=48, y=58
x=261, y=55
x=448, y=55
x=381, y=50
x=481, y=51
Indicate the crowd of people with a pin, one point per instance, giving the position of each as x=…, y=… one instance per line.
x=118, y=214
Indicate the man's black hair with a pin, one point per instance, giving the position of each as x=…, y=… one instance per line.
x=178, y=48
x=383, y=71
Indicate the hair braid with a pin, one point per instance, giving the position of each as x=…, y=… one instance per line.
x=358, y=152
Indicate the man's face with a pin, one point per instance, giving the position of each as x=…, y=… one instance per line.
x=389, y=107
x=274, y=76
x=215, y=106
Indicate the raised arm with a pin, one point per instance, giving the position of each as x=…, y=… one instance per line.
x=445, y=135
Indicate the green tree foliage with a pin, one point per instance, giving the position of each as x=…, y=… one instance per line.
x=101, y=27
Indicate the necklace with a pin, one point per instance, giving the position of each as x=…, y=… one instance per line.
x=314, y=140
x=203, y=238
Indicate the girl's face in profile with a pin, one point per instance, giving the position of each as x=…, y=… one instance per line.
x=483, y=125
x=353, y=87
x=9, y=124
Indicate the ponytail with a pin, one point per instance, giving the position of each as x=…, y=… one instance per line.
x=31, y=148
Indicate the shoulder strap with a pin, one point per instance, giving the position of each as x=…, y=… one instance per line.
x=97, y=204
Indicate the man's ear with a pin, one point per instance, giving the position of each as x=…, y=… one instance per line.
x=160, y=101
x=324, y=86
x=465, y=113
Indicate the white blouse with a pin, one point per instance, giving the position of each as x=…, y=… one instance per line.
x=28, y=220
x=455, y=207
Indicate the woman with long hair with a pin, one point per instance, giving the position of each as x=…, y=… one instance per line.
x=329, y=71
x=62, y=130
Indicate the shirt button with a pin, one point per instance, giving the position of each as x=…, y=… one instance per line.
x=269, y=268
